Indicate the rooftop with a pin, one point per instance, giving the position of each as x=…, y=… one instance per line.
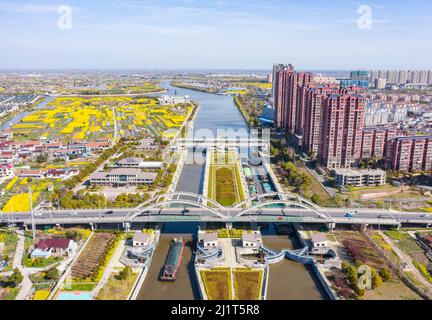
x=140, y=237
x=318, y=237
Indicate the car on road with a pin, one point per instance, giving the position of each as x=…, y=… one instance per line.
x=185, y=210
x=351, y=214
x=73, y=213
x=109, y=212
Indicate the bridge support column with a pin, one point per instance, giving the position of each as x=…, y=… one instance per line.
x=126, y=226
x=25, y=227
x=331, y=226
x=93, y=226
x=229, y=225
x=363, y=227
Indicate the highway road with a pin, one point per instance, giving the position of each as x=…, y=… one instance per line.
x=336, y=215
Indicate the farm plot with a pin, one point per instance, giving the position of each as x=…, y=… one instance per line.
x=359, y=249
x=247, y=284
x=94, y=256
x=217, y=284
x=80, y=118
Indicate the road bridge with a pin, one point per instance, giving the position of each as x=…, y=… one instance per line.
x=190, y=207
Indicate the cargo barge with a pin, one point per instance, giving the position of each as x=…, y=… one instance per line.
x=173, y=260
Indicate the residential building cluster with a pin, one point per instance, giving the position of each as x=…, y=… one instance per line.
x=15, y=156
x=10, y=102
x=398, y=77
x=13, y=151
x=341, y=125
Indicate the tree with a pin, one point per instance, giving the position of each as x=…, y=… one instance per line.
x=16, y=278
x=376, y=281
x=125, y=273
x=317, y=199
x=385, y=274
x=52, y=274
x=42, y=158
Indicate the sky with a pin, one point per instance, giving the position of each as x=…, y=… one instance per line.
x=215, y=34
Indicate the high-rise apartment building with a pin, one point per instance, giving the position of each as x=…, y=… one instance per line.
x=415, y=77
x=287, y=86
x=313, y=117
x=410, y=153
x=280, y=94
x=342, y=127
x=374, y=141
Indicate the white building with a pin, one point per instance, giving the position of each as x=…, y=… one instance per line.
x=210, y=240
x=251, y=240
x=140, y=239
x=122, y=177
x=380, y=83
x=167, y=100
x=138, y=163
x=359, y=178
x=319, y=243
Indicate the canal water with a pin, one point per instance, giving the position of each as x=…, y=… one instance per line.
x=287, y=281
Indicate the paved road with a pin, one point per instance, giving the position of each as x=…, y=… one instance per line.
x=337, y=215
x=26, y=284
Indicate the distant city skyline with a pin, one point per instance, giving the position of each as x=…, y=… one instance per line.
x=215, y=34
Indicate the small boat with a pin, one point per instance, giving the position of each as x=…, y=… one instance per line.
x=173, y=260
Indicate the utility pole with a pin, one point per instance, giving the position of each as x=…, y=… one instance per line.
x=31, y=211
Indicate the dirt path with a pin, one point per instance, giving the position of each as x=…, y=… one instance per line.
x=406, y=258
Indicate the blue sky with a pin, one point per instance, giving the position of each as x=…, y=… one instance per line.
x=215, y=34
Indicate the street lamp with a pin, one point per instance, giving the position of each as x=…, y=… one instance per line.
x=31, y=211
x=100, y=211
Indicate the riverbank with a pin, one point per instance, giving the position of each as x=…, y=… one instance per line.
x=185, y=86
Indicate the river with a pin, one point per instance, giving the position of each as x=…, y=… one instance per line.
x=288, y=280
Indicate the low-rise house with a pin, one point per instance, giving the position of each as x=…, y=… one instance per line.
x=140, y=239
x=29, y=173
x=63, y=174
x=98, y=146
x=45, y=248
x=251, y=240
x=210, y=240
x=147, y=144
x=319, y=243
x=8, y=157
x=6, y=171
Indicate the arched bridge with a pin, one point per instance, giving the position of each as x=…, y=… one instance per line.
x=273, y=203
x=186, y=199
x=270, y=199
